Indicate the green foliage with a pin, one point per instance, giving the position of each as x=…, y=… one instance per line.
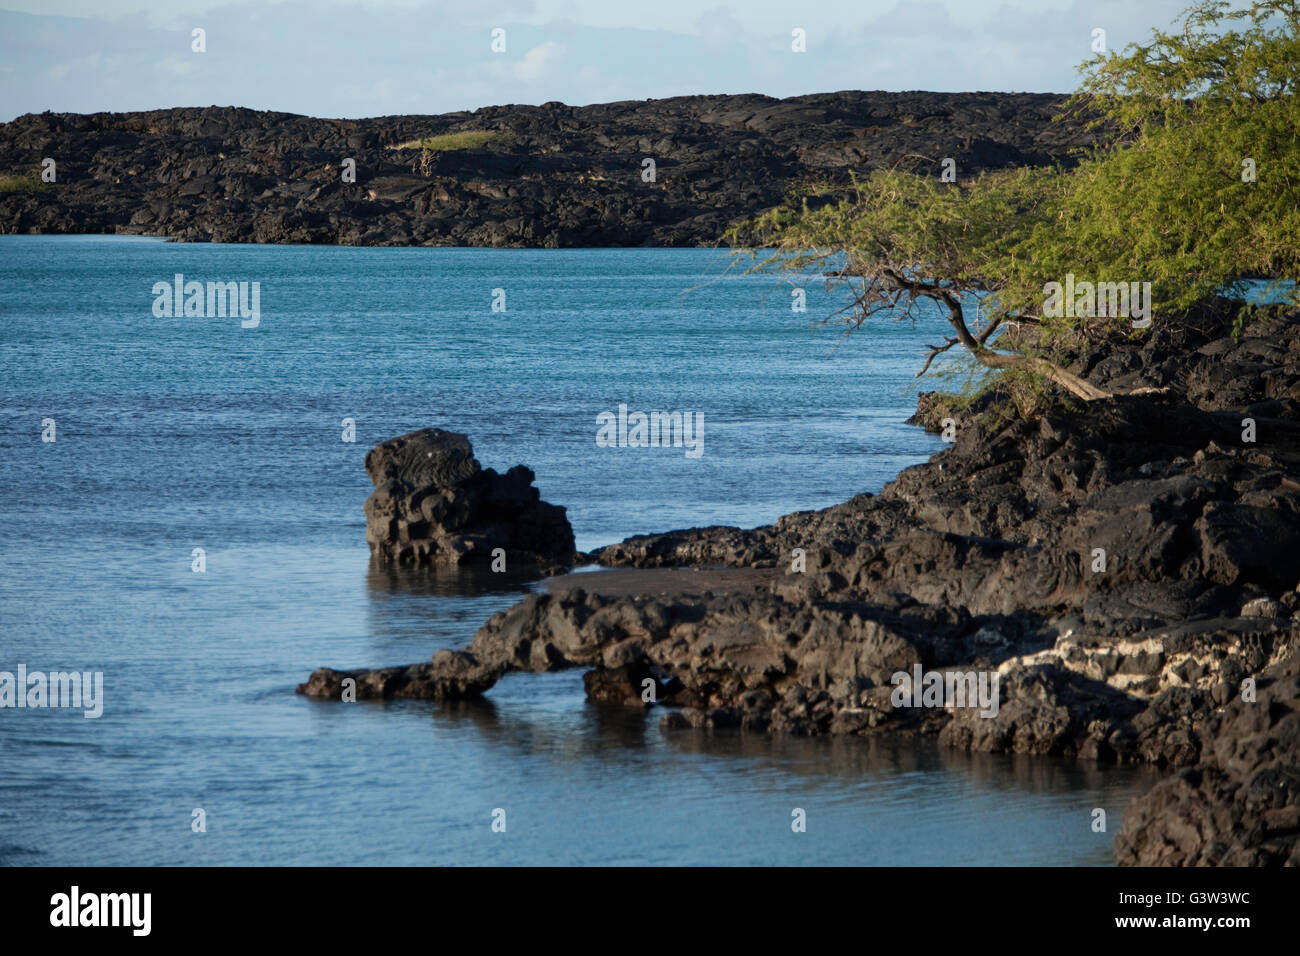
x=1169, y=204
x=444, y=142
x=902, y=223
x=1166, y=203
x=29, y=183
x=996, y=398
x=1222, y=59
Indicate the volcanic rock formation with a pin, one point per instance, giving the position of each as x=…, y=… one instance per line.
x=1127, y=568
x=434, y=504
x=521, y=176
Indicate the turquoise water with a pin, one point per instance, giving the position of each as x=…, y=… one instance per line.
x=181, y=433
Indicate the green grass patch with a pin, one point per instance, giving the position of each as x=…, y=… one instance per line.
x=29, y=183
x=469, y=139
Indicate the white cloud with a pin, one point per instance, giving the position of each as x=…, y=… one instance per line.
x=344, y=57
x=177, y=65
x=536, y=61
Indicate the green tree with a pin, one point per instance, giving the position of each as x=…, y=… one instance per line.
x=1170, y=202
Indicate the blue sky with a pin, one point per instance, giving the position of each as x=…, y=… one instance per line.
x=348, y=58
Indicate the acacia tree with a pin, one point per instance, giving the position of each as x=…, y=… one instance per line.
x=1202, y=189
x=1168, y=202
x=904, y=241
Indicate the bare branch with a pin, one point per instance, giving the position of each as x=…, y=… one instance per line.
x=935, y=352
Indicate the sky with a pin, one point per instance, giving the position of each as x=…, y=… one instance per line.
x=354, y=58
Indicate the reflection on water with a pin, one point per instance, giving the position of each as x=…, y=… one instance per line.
x=433, y=582
x=579, y=772
x=584, y=776
x=603, y=729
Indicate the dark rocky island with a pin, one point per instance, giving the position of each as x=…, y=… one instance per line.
x=1176, y=648
x=539, y=176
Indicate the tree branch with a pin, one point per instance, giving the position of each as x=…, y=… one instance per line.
x=935, y=352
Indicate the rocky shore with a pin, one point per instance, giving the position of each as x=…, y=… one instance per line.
x=516, y=176
x=1128, y=570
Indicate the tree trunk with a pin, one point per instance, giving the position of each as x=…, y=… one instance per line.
x=987, y=357
x=1067, y=380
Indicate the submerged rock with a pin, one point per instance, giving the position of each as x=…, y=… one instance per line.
x=451, y=675
x=434, y=504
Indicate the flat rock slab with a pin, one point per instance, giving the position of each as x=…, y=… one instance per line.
x=663, y=582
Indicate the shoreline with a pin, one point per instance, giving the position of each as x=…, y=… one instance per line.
x=550, y=176
x=986, y=558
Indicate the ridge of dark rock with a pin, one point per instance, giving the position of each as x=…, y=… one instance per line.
x=553, y=176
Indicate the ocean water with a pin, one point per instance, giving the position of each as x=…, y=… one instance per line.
x=180, y=433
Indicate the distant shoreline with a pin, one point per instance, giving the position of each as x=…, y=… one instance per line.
x=675, y=172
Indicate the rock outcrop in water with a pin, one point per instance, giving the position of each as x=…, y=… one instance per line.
x=434, y=504
x=1123, y=569
x=523, y=176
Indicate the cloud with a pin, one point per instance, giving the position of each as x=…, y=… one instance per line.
x=369, y=59
x=719, y=27
x=178, y=65
x=536, y=61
